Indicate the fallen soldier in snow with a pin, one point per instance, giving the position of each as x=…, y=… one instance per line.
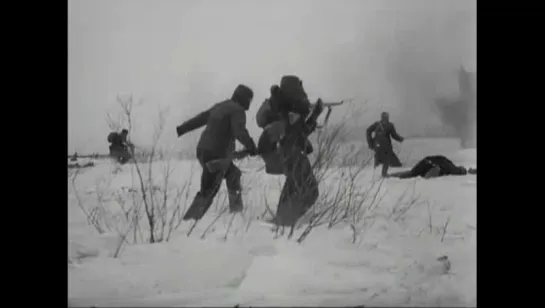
x=434, y=166
x=77, y=165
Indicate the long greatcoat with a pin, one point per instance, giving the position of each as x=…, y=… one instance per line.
x=379, y=138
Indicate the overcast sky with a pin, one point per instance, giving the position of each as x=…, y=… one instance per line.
x=187, y=55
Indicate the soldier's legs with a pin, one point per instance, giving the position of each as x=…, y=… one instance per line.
x=299, y=193
x=234, y=188
x=210, y=185
x=308, y=182
x=285, y=203
x=381, y=159
x=402, y=175
x=306, y=198
x=114, y=153
x=126, y=155
x=313, y=192
x=115, y=157
x=384, y=171
x=119, y=154
x=123, y=157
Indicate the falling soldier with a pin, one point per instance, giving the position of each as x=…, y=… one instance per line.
x=381, y=143
x=225, y=122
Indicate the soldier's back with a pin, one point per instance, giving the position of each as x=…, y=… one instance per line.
x=217, y=136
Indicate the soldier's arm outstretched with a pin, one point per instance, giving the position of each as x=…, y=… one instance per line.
x=369, y=134
x=395, y=135
x=196, y=122
x=238, y=127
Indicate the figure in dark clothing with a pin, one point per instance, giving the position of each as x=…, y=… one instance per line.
x=434, y=166
x=119, y=146
x=284, y=146
x=225, y=122
x=277, y=121
x=381, y=143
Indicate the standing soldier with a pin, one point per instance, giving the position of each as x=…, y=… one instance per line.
x=284, y=146
x=225, y=122
x=381, y=143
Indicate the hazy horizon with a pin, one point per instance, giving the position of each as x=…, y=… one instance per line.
x=187, y=55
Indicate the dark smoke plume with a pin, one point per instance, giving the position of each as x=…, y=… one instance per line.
x=460, y=114
x=433, y=96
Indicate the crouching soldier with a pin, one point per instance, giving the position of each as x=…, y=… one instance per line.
x=284, y=146
x=119, y=146
x=225, y=122
x=381, y=143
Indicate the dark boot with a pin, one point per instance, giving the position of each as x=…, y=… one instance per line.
x=289, y=211
x=235, y=202
x=384, y=172
x=198, y=208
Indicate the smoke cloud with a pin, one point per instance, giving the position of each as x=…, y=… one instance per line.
x=413, y=61
x=388, y=55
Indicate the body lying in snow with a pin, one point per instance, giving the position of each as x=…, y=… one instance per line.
x=434, y=166
x=78, y=165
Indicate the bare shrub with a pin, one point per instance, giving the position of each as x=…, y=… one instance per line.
x=400, y=208
x=162, y=210
x=150, y=211
x=348, y=198
x=327, y=142
x=345, y=198
x=223, y=211
x=432, y=227
x=90, y=215
x=339, y=168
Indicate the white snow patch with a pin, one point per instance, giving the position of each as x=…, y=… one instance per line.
x=393, y=263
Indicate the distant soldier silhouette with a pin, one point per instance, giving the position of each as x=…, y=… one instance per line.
x=379, y=139
x=119, y=146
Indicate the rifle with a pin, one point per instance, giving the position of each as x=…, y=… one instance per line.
x=310, y=123
x=223, y=163
x=329, y=106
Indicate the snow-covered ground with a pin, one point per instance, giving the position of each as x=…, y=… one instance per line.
x=393, y=261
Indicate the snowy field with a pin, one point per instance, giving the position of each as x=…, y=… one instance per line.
x=384, y=254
